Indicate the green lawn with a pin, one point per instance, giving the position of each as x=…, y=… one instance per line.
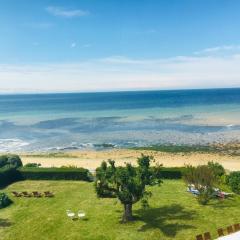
x=173, y=214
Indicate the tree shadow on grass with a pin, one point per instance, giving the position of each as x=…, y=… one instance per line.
x=224, y=203
x=156, y=218
x=4, y=223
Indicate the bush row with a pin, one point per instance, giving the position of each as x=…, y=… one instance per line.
x=172, y=173
x=55, y=174
x=10, y=175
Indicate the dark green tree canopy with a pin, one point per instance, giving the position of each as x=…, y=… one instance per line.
x=10, y=160
x=127, y=183
x=218, y=169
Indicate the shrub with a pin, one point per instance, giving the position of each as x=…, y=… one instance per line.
x=203, y=178
x=204, y=196
x=217, y=169
x=55, y=174
x=14, y=161
x=10, y=160
x=69, y=166
x=32, y=165
x=4, y=200
x=3, y=161
x=172, y=173
x=233, y=180
x=8, y=175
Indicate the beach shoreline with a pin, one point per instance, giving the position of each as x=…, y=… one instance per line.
x=91, y=159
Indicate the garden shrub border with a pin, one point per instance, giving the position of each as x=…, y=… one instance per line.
x=11, y=175
x=39, y=173
x=8, y=176
x=172, y=172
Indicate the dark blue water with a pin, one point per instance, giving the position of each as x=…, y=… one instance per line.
x=117, y=100
x=44, y=122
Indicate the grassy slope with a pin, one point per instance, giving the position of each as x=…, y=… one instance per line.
x=174, y=214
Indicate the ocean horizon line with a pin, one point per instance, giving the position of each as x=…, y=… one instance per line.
x=116, y=91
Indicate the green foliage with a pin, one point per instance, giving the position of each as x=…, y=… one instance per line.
x=179, y=148
x=14, y=161
x=4, y=200
x=174, y=214
x=233, y=180
x=51, y=155
x=128, y=183
x=69, y=166
x=228, y=149
x=32, y=165
x=203, y=178
x=10, y=160
x=172, y=173
x=205, y=195
x=8, y=175
x=3, y=161
x=218, y=169
x=55, y=174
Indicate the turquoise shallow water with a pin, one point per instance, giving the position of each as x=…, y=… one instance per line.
x=50, y=122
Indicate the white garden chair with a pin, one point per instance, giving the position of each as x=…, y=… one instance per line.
x=81, y=214
x=70, y=214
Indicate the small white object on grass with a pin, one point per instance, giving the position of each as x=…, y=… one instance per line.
x=70, y=214
x=81, y=214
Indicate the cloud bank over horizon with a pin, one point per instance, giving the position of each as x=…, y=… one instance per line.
x=215, y=70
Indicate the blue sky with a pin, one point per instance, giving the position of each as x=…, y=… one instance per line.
x=93, y=45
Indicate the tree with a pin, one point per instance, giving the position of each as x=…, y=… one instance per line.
x=127, y=183
x=14, y=161
x=203, y=178
x=3, y=160
x=218, y=171
x=10, y=160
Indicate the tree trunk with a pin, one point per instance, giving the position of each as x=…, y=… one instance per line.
x=127, y=215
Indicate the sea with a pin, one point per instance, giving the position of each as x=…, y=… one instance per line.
x=80, y=121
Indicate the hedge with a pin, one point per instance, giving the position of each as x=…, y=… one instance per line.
x=55, y=174
x=8, y=176
x=172, y=173
x=233, y=180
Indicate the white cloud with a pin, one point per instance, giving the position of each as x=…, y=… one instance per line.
x=68, y=13
x=219, y=49
x=122, y=73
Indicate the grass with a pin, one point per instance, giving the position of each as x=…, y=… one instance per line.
x=179, y=148
x=50, y=155
x=173, y=214
x=232, y=150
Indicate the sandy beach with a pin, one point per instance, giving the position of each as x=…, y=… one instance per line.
x=92, y=159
